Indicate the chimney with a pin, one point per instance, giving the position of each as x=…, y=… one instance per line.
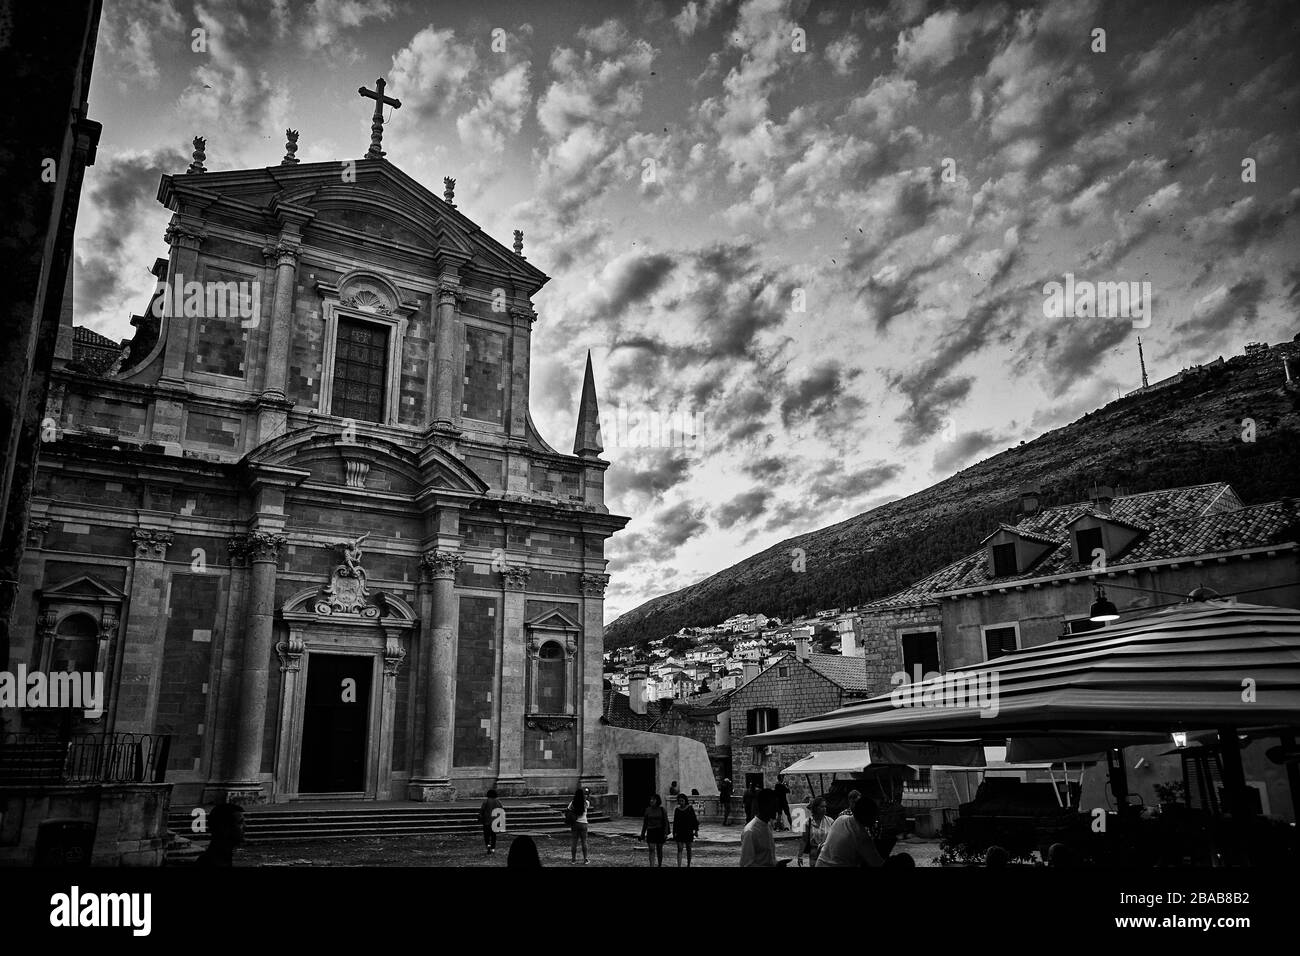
x=801, y=647
x=751, y=671
x=1029, y=499
x=1101, y=496
x=636, y=689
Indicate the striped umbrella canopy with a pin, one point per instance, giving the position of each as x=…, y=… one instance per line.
x=1196, y=666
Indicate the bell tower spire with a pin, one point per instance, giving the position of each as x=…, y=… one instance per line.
x=586, y=443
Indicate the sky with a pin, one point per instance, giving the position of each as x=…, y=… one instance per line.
x=808, y=245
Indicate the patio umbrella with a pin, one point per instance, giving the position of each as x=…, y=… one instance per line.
x=1199, y=666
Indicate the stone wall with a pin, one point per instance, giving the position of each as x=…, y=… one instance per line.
x=880, y=635
x=130, y=821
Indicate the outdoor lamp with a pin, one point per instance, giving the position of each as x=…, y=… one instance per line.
x=1180, y=738
x=1102, y=610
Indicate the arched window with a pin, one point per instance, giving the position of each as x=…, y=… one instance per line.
x=550, y=678
x=76, y=644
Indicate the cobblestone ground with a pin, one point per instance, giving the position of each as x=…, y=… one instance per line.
x=467, y=850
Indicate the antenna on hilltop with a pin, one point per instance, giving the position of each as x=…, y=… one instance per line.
x=1143, y=362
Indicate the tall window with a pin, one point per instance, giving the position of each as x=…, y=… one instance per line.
x=1004, y=559
x=75, y=645
x=550, y=679
x=360, y=371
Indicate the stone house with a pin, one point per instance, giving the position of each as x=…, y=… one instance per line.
x=326, y=477
x=1033, y=582
x=797, y=684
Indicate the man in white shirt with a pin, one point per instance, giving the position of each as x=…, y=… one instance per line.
x=850, y=843
x=757, y=845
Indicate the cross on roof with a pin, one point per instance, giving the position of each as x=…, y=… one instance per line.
x=377, y=121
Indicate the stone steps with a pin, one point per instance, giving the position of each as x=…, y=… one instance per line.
x=353, y=821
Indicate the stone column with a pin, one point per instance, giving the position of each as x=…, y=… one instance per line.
x=146, y=629
x=273, y=406
x=261, y=549
x=513, y=681
x=433, y=780
x=394, y=654
x=592, y=704
x=445, y=360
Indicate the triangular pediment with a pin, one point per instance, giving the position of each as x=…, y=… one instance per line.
x=83, y=585
x=377, y=201
x=552, y=620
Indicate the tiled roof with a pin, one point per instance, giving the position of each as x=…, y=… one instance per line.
x=87, y=335
x=848, y=672
x=619, y=712
x=1181, y=522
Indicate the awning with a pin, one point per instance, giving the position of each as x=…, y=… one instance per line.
x=1197, y=666
x=922, y=754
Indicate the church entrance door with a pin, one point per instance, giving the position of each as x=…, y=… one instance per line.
x=336, y=722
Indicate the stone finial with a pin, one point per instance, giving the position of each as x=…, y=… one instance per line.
x=519, y=243
x=200, y=144
x=290, y=147
x=449, y=191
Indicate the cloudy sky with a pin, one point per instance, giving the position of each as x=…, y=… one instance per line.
x=810, y=238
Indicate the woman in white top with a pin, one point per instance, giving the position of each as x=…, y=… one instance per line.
x=578, y=808
x=815, y=832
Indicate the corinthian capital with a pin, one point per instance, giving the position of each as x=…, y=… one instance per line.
x=594, y=584
x=515, y=577
x=150, y=543
x=440, y=564
x=450, y=293
x=184, y=235
x=256, y=546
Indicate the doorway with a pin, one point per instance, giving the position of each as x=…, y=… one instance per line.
x=335, y=724
x=638, y=783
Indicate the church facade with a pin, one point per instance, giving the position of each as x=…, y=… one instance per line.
x=305, y=525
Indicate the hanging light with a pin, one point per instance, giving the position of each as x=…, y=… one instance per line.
x=1102, y=610
x=1180, y=739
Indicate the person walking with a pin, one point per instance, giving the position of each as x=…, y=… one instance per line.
x=226, y=831
x=849, y=842
x=578, y=808
x=747, y=799
x=757, y=844
x=782, y=802
x=815, y=832
x=489, y=806
x=724, y=800
x=686, y=827
x=654, y=829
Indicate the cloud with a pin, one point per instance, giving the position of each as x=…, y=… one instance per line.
x=649, y=473
x=1226, y=308
x=497, y=113
x=324, y=23
x=942, y=37
x=816, y=393
x=696, y=15
x=433, y=71
x=954, y=454
x=744, y=508
x=841, y=52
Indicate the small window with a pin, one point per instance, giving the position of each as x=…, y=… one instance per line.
x=999, y=641
x=75, y=645
x=1004, y=559
x=550, y=679
x=1088, y=540
x=1081, y=625
x=783, y=671
x=760, y=720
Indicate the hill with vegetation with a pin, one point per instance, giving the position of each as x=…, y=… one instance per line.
x=1187, y=431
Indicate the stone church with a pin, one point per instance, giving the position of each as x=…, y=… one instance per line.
x=308, y=528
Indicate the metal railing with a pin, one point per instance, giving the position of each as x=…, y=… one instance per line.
x=84, y=758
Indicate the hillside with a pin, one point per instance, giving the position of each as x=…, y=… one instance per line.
x=1184, y=433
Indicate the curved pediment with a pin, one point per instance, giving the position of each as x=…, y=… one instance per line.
x=366, y=462
x=378, y=214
